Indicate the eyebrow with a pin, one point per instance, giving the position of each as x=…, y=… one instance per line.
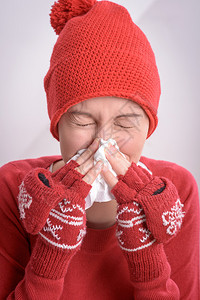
x=76, y=112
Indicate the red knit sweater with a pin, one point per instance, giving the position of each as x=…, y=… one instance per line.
x=99, y=269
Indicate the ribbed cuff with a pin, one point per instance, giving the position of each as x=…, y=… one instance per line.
x=136, y=177
x=67, y=174
x=50, y=262
x=123, y=193
x=147, y=264
x=82, y=188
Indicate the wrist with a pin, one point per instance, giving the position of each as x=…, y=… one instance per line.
x=50, y=262
x=147, y=264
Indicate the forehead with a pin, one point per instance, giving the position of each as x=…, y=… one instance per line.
x=107, y=103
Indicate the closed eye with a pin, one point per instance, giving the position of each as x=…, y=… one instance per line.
x=83, y=125
x=123, y=126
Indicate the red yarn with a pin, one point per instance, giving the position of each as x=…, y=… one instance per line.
x=63, y=10
x=99, y=53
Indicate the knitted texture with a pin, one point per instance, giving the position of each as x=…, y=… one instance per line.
x=55, y=210
x=158, y=197
x=148, y=264
x=100, y=52
x=62, y=11
x=99, y=263
x=36, y=198
x=62, y=235
x=142, y=203
x=145, y=257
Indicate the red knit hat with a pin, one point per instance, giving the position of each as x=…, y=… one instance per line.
x=99, y=52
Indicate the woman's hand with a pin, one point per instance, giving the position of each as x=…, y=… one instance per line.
x=41, y=190
x=86, y=163
x=53, y=206
x=156, y=195
x=145, y=256
x=119, y=164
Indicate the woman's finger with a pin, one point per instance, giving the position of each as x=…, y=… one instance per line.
x=93, y=172
x=118, y=162
x=88, y=152
x=86, y=166
x=108, y=176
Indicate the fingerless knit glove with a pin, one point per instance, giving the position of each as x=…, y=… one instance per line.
x=53, y=205
x=40, y=191
x=146, y=258
x=157, y=196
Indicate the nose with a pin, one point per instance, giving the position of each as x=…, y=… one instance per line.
x=104, y=131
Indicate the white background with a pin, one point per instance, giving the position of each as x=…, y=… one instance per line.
x=27, y=40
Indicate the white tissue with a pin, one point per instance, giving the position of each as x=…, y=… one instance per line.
x=100, y=191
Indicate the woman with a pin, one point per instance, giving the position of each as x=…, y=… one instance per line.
x=103, y=90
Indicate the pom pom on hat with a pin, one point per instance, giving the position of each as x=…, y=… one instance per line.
x=63, y=10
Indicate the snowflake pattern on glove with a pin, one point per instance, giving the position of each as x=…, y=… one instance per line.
x=65, y=218
x=24, y=200
x=173, y=218
x=132, y=233
x=52, y=229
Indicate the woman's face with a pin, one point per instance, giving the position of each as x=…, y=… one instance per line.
x=104, y=117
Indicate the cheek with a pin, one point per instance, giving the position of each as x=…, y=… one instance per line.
x=132, y=144
x=71, y=141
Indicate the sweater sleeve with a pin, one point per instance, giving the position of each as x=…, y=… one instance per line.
x=162, y=288
x=17, y=280
x=182, y=252
x=35, y=287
